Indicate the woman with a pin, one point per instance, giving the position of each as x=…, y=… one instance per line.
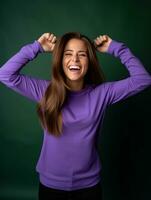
x=71, y=107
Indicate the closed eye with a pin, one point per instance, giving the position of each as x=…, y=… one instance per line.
x=67, y=54
x=82, y=55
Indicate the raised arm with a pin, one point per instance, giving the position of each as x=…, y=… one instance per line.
x=139, y=78
x=30, y=87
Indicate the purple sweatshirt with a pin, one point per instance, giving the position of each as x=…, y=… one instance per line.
x=72, y=161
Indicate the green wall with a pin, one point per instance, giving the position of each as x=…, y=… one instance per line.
x=125, y=140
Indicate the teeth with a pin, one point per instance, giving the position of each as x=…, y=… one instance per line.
x=74, y=67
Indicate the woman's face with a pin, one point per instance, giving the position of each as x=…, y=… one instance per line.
x=75, y=60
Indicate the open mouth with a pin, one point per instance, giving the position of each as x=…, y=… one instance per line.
x=74, y=68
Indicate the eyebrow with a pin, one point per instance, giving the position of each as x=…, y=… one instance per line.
x=78, y=51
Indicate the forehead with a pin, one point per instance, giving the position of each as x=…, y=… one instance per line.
x=76, y=44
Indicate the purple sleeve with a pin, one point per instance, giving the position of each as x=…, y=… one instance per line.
x=30, y=87
x=138, y=80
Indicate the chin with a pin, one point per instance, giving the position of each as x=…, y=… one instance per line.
x=74, y=79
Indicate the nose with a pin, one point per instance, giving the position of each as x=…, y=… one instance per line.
x=75, y=58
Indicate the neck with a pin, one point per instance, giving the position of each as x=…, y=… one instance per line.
x=76, y=85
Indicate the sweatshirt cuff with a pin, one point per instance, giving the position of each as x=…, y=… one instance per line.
x=41, y=50
x=114, y=48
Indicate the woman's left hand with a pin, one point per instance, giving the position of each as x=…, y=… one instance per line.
x=102, y=43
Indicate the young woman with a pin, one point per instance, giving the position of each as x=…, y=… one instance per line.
x=71, y=107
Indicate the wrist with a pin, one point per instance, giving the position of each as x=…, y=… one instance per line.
x=40, y=47
x=114, y=48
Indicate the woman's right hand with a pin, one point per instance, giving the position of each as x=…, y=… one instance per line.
x=47, y=41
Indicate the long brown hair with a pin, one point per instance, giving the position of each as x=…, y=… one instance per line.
x=50, y=106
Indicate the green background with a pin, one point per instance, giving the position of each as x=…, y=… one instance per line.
x=125, y=141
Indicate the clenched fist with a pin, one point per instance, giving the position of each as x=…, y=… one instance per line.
x=47, y=41
x=102, y=43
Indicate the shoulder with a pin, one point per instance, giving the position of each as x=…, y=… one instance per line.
x=99, y=91
x=101, y=87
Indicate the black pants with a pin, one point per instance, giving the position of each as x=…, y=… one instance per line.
x=91, y=193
